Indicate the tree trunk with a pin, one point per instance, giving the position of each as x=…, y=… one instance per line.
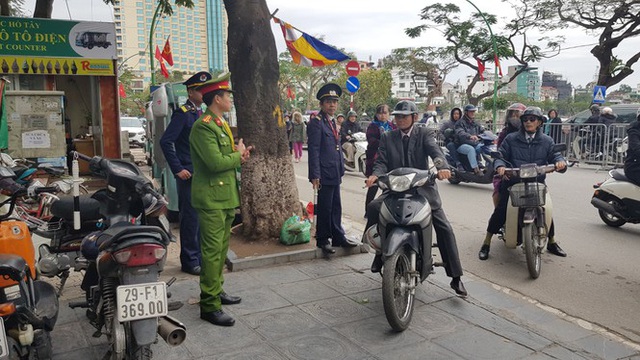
x=269, y=192
x=4, y=8
x=44, y=9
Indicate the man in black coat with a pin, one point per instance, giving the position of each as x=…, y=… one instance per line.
x=326, y=168
x=395, y=152
x=632, y=161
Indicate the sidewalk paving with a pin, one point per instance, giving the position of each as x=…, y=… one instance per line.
x=332, y=309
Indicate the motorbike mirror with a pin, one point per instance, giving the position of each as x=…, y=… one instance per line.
x=559, y=147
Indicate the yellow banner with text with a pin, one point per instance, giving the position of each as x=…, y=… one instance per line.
x=55, y=66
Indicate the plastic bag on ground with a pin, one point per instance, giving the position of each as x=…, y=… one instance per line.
x=295, y=231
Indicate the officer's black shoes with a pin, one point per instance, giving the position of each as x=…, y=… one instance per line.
x=376, y=265
x=345, y=244
x=227, y=299
x=555, y=249
x=193, y=271
x=458, y=286
x=217, y=318
x=484, y=252
x=326, y=249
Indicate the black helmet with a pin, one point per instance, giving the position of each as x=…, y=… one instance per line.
x=405, y=107
x=532, y=110
x=470, y=107
x=595, y=109
x=352, y=113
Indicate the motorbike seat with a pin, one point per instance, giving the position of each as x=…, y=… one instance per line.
x=619, y=175
x=89, y=208
x=13, y=266
x=122, y=232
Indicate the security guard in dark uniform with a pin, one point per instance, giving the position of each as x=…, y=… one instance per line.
x=175, y=146
x=326, y=168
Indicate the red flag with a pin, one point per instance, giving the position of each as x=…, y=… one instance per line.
x=121, y=91
x=163, y=70
x=166, y=52
x=158, y=54
x=497, y=61
x=480, y=69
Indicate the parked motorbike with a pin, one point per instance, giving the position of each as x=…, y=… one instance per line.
x=28, y=307
x=462, y=172
x=404, y=238
x=124, y=297
x=617, y=199
x=529, y=214
x=359, y=140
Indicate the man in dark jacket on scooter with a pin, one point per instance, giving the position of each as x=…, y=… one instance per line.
x=409, y=146
x=467, y=131
x=527, y=145
x=632, y=161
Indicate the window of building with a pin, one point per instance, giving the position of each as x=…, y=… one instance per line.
x=120, y=52
x=148, y=7
x=401, y=85
x=174, y=26
x=139, y=4
x=118, y=31
x=143, y=68
x=192, y=68
x=119, y=38
x=117, y=17
x=140, y=19
x=143, y=60
x=141, y=45
x=139, y=11
x=141, y=32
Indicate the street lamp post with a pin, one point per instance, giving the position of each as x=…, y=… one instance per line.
x=140, y=53
x=154, y=22
x=495, y=54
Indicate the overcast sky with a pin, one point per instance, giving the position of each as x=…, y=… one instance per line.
x=371, y=28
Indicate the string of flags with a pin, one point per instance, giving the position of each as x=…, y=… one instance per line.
x=164, y=55
x=481, y=66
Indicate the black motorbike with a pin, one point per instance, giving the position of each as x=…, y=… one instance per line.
x=404, y=238
x=28, y=307
x=461, y=171
x=124, y=297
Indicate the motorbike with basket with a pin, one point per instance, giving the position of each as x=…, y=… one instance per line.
x=529, y=213
x=404, y=238
x=28, y=306
x=461, y=171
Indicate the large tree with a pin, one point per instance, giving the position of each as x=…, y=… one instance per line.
x=613, y=21
x=269, y=192
x=469, y=39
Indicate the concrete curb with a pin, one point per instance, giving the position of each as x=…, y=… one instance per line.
x=235, y=264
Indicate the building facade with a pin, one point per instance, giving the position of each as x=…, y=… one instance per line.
x=403, y=87
x=564, y=88
x=526, y=84
x=197, y=41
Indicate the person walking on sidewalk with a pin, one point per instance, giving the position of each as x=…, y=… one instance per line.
x=215, y=194
x=410, y=146
x=326, y=168
x=378, y=126
x=298, y=135
x=175, y=147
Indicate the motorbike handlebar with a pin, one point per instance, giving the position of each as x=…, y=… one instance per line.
x=542, y=169
x=80, y=155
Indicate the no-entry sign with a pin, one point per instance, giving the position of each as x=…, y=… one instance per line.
x=353, y=68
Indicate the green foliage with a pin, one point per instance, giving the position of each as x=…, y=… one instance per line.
x=375, y=88
x=625, y=89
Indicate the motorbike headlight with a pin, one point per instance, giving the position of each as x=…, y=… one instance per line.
x=528, y=171
x=400, y=183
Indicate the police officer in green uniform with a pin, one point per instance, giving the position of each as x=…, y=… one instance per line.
x=214, y=194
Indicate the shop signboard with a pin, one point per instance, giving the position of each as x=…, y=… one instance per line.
x=56, y=47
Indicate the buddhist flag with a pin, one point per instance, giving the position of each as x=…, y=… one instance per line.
x=166, y=52
x=480, y=69
x=495, y=59
x=307, y=50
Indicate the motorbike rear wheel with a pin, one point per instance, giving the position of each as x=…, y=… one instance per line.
x=610, y=219
x=397, y=285
x=531, y=250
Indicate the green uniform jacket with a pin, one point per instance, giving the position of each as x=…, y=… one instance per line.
x=214, y=180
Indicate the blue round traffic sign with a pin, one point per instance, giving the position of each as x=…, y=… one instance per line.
x=353, y=84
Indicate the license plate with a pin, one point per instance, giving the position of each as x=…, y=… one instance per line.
x=4, y=349
x=141, y=301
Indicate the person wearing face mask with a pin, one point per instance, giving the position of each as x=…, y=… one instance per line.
x=525, y=146
x=448, y=134
x=511, y=124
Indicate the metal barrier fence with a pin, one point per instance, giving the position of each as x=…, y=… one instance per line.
x=590, y=144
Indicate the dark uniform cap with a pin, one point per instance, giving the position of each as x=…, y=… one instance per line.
x=197, y=79
x=329, y=91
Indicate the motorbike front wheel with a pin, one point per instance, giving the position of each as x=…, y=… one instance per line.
x=531, y=250
x=397, y=289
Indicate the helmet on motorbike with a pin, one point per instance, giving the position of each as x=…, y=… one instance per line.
x=517, y=106
x=351, y=113
x=606, y=111
x=532, y=110
x=470, y=107
x=595, y=109
x=405, y=107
